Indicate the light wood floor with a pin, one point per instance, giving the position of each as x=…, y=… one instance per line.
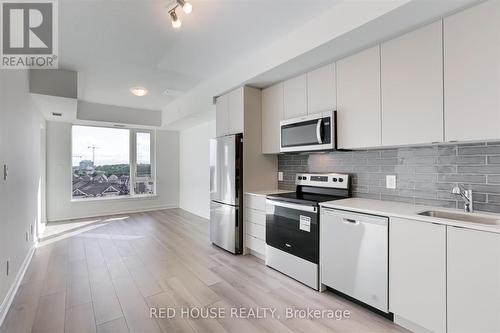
x=105, y=276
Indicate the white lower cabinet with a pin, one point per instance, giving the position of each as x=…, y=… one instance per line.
x=255, y=244
x=444, y=278
x=473, y=281
x=417, y=273
x=254, y=215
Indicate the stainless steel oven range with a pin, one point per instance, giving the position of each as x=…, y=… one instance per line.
x=292, y=224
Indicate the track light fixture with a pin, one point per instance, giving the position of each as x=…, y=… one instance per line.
x=186, y=7
x=176, y=22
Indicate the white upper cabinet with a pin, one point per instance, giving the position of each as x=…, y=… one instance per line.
x=235, y=107
x=472, y=73
x=229, y=115
x=417, y=273
x=221, y=116
x=272, y=114
x=295, y=97
x=473, y=281
x=321, y=92
x=358, y=100
x=412, y=87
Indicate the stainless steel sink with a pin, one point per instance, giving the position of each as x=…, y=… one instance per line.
x=468, y=217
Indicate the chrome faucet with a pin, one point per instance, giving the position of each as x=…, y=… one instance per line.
x=466, y=195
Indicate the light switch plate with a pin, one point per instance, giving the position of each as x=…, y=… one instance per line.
x=390, y=181
x=280, y=176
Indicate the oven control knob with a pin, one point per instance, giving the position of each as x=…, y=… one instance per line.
x=341, y=180
x=334, y=179
x=304, y=178
x=300, y=177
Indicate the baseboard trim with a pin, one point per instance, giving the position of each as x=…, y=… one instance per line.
x=195, y=213
x=9, y=298
x=409, y=325
x=127, y=211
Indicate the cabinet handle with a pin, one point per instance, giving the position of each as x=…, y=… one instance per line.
x=287, y=245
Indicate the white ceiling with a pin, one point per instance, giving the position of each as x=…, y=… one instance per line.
x=117, y=44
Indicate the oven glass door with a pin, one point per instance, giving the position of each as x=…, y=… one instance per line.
x=306, y=133
x=293, y=228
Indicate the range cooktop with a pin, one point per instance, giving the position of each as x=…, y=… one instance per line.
x=312, y=189
x=308, y=198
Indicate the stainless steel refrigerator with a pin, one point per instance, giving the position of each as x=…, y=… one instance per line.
x=226, y=192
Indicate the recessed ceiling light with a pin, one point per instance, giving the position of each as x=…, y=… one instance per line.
x=139, y=91
x=186, y=6
x=176, y=22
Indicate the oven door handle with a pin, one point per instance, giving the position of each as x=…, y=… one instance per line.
x=318, y=131
x=292, y=206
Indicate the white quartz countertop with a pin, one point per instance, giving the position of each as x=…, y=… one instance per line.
x=267, y=192
x=409, y=211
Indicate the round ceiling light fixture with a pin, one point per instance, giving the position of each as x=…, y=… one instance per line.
x=139, y=91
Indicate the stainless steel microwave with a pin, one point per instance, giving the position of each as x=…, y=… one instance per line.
x=308, y=133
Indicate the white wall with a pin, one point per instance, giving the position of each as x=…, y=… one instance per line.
x=194, y=168
x=59, y=204
x=20, y=132
x=117, y=114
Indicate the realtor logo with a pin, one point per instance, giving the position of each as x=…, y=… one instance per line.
x=29, y=34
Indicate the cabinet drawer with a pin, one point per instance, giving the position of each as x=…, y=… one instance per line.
x=256, y=230
x=255, y=216
x=255, y=201
x=255, y=244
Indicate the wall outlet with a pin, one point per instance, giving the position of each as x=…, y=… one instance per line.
x=390, y=181
x=7, y=268
x=5, y=172
x=280, y=176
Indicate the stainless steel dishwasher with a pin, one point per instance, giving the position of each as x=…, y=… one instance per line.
x=354, y=256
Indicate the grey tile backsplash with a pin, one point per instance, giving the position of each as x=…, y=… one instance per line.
x=425, y=175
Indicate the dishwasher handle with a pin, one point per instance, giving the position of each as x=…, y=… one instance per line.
x=350, y=221
x=348, y=217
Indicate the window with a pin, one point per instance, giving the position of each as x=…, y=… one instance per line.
x=143, y=176
x=112, y=162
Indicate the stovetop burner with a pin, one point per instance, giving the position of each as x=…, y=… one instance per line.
x=311, y=189
x=307, y=198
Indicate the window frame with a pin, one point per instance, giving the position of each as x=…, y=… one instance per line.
x=132, y=165
x=133, y=160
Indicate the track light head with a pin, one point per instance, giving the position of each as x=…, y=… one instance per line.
x=186, y=6
x=176, y=22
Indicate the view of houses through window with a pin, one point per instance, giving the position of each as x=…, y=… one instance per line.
x=103, y=159
x=143, y=181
